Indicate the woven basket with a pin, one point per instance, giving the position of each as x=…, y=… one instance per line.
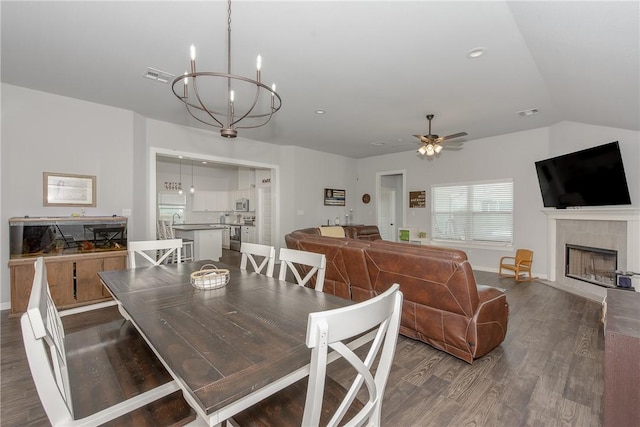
x=210, y=278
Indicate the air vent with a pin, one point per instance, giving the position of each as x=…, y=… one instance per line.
x=529, y=112
x=160, y=76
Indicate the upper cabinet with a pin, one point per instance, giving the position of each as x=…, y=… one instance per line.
x=211, y=201
x=172, y=198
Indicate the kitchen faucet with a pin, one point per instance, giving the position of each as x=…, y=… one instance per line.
x=173, y=218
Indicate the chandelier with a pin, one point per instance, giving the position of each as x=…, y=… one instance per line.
x=200, y=106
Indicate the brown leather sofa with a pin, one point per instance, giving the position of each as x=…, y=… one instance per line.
x=443, y=306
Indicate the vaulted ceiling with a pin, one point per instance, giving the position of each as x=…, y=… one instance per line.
x=376, y=68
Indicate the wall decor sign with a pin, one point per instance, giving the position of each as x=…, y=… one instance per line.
x=60, y=189
x=334, y=197
x=417, y=199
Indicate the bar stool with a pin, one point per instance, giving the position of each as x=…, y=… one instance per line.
x=167, y=232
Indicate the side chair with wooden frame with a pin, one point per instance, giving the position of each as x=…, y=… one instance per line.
x=519, y=265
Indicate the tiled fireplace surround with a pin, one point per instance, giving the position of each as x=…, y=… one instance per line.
x=617, y=229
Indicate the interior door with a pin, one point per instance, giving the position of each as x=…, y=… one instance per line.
x=387, y=214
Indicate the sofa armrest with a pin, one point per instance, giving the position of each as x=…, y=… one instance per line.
x=491, y=319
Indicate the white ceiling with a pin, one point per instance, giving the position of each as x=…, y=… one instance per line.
x=376, y=67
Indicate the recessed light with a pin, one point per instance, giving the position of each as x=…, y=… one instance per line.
x=320, y=111
x=378, y=143
x=476, y=52
x=529, y=112
x=204, y=163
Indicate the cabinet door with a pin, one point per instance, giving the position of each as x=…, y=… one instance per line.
x=221, y=201
x=200, y=201
x=88, y=285
x=113, y=263
x=59, y=276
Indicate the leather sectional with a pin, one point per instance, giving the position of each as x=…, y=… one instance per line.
x=443, y=305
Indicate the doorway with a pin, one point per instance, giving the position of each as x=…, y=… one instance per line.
x=390, y=208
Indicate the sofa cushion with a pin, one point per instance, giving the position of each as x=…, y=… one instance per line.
x=332, y=231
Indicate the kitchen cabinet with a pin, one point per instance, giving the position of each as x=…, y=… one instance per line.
x=226, y=238
x=207, y=239
x=248, y=234
x=210, y=201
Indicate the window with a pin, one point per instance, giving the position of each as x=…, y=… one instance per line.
x=476, y=213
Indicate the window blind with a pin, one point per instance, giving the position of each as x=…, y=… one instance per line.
x=477, y=212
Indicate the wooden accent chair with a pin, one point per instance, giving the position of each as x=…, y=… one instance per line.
x=317, y=262
x=99, y=374
x=326, y=401
x=166, y=249
x=519, y=265
x=250, y=250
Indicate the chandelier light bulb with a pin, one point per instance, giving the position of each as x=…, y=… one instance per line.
x=192, y=52
x=231, y=96
x=259, y=62
x=273, y=88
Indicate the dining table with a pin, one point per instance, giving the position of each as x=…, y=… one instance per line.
x=227, y=348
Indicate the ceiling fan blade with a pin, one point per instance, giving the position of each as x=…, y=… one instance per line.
x=423, y=138
x=455, y=135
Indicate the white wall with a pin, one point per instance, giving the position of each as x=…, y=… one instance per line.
x=505, y=156
x=49, y=133
x=44, y=132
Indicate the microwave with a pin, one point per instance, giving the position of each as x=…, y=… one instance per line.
x=242, y=205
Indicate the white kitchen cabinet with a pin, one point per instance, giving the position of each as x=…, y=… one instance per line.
x=226, y=238
x=248, y=234
x=210, y=201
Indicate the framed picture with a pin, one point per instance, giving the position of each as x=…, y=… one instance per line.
x=417, y=199
x=333, y=197
x=60, y=189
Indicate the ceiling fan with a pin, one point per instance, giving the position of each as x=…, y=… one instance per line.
x=431, y=143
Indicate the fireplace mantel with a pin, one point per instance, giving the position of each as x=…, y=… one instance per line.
x=630, y=215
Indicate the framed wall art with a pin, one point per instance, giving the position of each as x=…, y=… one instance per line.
x=334, y=197
x=417, y=199
x=60, y=189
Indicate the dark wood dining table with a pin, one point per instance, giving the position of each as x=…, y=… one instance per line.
x=227, y=348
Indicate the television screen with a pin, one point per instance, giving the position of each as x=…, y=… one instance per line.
x=591, y=177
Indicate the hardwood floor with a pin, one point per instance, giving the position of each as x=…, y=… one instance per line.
x=549, y=371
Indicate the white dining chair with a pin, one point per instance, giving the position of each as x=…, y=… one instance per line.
x=329, y=335
x=316, y=262
x=251, y=250
x=155, y=252
x=61, y=363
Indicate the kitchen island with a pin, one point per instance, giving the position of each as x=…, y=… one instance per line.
x=207, y=239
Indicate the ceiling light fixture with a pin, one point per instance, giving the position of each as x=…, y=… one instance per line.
x=476, y=52
x=192, y=189
x=201, y=107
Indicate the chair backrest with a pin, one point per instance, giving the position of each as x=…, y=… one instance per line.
x=524, y=255
x=165, y=230
x=317, y=262
x=249, y=250
x=42, y=332
x=328, y=329
x=160, y=251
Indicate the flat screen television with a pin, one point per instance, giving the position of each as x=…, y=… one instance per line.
x=591, y=177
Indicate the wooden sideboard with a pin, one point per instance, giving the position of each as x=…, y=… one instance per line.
x=73, y=279
x=622, y=359
x=75, y=250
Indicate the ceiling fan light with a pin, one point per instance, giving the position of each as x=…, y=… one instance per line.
x=422, y=150
x=430, y=151
x=438, y=148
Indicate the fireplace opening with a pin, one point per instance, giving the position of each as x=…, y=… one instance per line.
x=592, y=265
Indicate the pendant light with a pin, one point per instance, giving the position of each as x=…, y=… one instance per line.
x=192, y=189
x=180, y=183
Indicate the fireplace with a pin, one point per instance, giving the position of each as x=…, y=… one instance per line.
x=612, y=228
x=591, y=265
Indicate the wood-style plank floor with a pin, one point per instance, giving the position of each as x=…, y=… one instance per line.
x=548, y=372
